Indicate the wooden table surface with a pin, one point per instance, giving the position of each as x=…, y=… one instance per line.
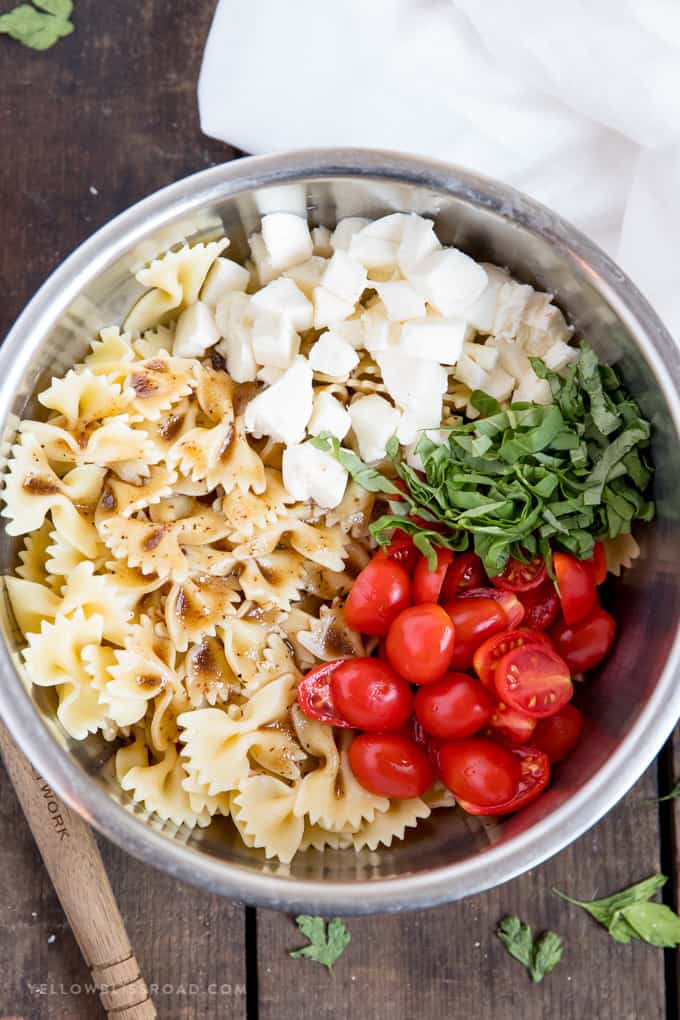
x=87, y=128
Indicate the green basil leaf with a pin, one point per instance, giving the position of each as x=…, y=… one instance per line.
x=654, y=923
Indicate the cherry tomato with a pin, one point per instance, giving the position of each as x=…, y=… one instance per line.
x=541, y=606
x=534, y=775
x=512, y=607
x=370, y=695
x=584, y=644
x=315, y=696
x=390, y=765
x=454, y=707
x=479, y=770
x=427, y=583
x=575, y=586
x=402, y=550
x=488, y=655
x=558, y=736
x=534, y=679
x=379, y=593
x=465, y=572
x=475, y=619
x=420, y=643
x=519, y=576
x=597, y=564
x=509, y=725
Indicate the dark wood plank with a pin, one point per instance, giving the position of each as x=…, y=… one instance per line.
x=447, y=962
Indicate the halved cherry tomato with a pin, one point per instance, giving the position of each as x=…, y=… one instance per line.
x=534, y=679
x=427, y=583
x=598, y=564
x=510, y=725
x=454, y=707
x=488, y=655
x=533, y=779
x=575, y=586
x=541, y=606
x=379, y=593
x=465, y=572
x=558, y=735
x=402, y=550
x=519, y=576
x=479, y=770
x=315, y=696
x=512, y=607
x=390, y=765
x=584, y=644
x=370, y=695
x=475, y=619
x=420, y=643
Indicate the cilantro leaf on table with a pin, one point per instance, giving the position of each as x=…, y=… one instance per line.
x=539, y=957
x=326, y=943
x=39, y=26
x=629, y=914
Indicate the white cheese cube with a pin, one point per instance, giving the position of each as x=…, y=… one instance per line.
x=329, y=308
x=351, y=330
x=532, y=389
x=321, y=239
x=269, y=375
x=485, y=357
x=234, y=321
x=470, y=373
x=379, y=333
x=196, y=330
x=284, y=297
x=309, y=473
x=411, y=382
x=287, y=239
x=224, y=277
x=374, y=421
x=263, y=266
x=512, y=358
x=481, y=313
x=290, y=198
x=401, y=301
x=559, y=355
x=329, y=416
x=499, y=384
x=373, y=252
x=283, y=410
x=432, y=339
x=345, y=277
x=414, y=423
x=345, y=231
x=538, y=339
x=510, y=307
x=275, y=342
x=417, y=241
x=307, y=275
x=449, y=280
x=333, y=356
x=387, y=228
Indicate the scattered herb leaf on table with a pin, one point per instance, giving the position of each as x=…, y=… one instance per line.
x=539, y=957
x=326, y=943
x=629, y=914
x=39, y=26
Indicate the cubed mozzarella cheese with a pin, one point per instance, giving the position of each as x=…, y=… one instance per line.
x=401, y=301
x=559, y=355
x=345, y=231
x=284, y=297
x=351, y=330
x=481, y=313
x=412, y=382
x=486, y=357
x=329, y=308
x=499, y=384
x=374, y=422
x=261, y=261
x=329, y=416
x=379, y=333
x=432, y=339
x=345, y=277
x=373, y=252
x=235, y=325
x=414, y=423
x=275, y=341
x=387, y=228
x=284, y=408
x=290, y=198
x=269, y=375
x=321, y=239
x=333, y=356
x=510, y=307
x=512, y=358
x=307, y=275
x=449, y=280
x=470, y=373
x=196, y=330
x=287, y=239
x=417, y=241
x=309, y=473
x=532, y=389
x=224, y=277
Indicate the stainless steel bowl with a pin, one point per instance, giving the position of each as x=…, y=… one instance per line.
x=635, y=700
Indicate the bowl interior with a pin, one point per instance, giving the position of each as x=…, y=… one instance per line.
x=646, y=600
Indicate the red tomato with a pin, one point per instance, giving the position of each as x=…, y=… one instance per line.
x=475, y=619
x=510, y=725
x=534, y=679
x=379, y=593
x=512, y=607
x=575, y=586
x=370, y=695
x=597, y=564
x=584, y=644
x=390, y=765
x=427, y=583
x=420, y=643
x=519, y=576
x=402, y=550
x=454, y=707
x=315, y=696
x=534, y=775
x=541, y=606
x=465, y=572
x=479, y=770
x=558, y=736
x=489, y=654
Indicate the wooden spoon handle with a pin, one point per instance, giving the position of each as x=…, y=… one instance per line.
x=76, y=869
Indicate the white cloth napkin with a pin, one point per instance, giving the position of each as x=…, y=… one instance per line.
x=578, y=104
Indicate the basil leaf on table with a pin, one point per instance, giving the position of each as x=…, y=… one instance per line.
x=40, y=26
x=628, y=914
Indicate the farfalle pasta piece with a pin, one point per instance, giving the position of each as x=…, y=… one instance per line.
x=391, y=824
x=439, y=796
x=159, y=383
x=142, y=669
x=62, y=558
x=208, y=676
x=277, y=659
x=263, y=811
x=329, y=637
x=248, y=512
x=201, y=801
x=170, y=426
x=293, y=623
x=621, y=553
x=325, y=546
x=83, y=397
x=112, y=443
x=315, y=837
x=158, y=340
x=277, y=751
x=32, y=565
x=110, y=354
x=127, y=499
x=274, y=580
x=353, y=513
x=158, y=784
x=98, y=594
x=31, y=602
x=219, y=455
x=196, y=606
x=244, y=642
x=161, y=721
